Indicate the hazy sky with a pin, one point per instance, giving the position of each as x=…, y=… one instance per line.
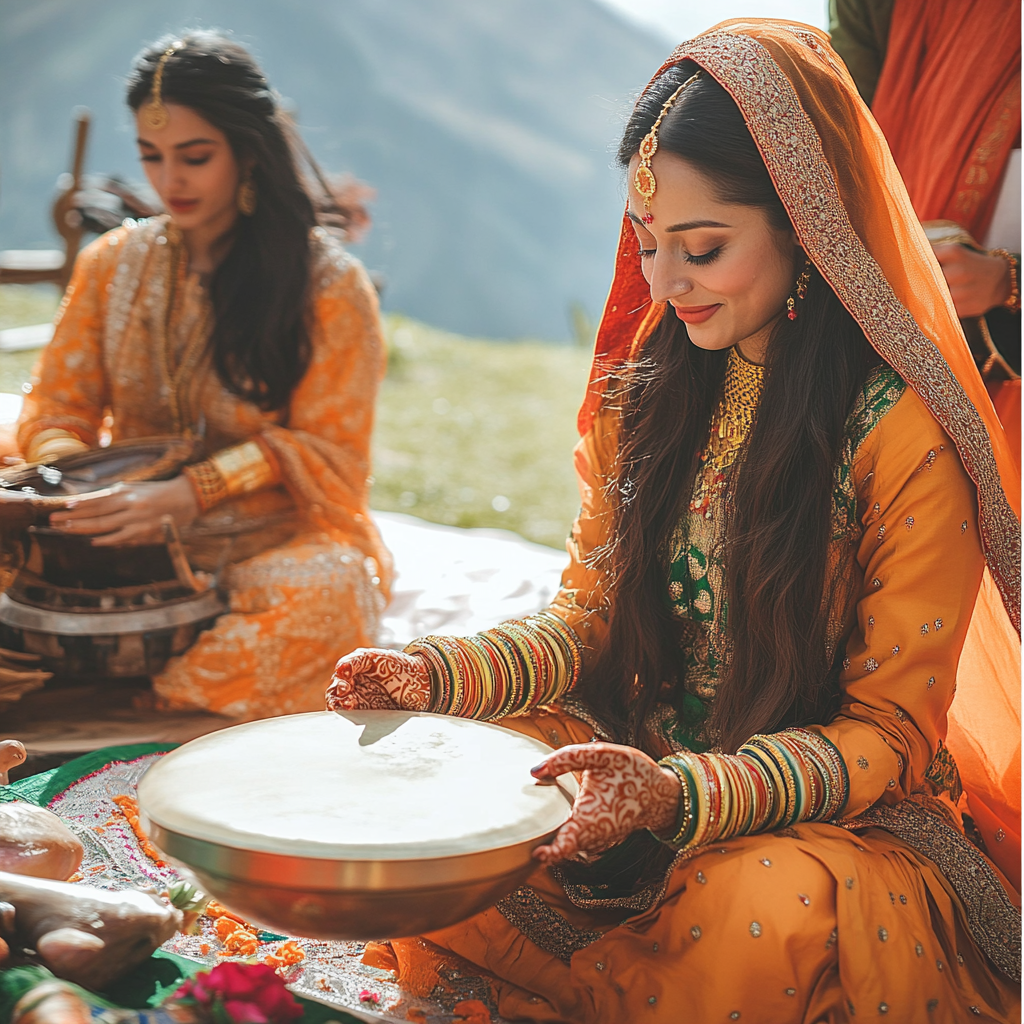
x=677, y=20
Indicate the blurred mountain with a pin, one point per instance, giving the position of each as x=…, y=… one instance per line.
x=488, y=128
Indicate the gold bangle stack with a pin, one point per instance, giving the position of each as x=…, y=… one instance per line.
x=502, y=672
x=245, y=468
x=772, y=782
x=208, y=483
x=1013, y=302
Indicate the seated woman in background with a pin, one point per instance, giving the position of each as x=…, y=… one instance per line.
x=236, y=321
x=784, y=657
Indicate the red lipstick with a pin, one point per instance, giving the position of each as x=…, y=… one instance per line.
x=696, y=314
x=182, y=205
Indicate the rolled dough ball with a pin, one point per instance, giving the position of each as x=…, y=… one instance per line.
x=34, y=841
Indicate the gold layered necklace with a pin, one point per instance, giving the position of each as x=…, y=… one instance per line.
x=730, y=425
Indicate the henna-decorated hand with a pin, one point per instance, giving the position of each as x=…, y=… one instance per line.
x=372, y=678
x=622, y=791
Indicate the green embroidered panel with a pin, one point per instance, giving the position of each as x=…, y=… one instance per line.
x=882, y=390
x=944, y=774
x=696, y=572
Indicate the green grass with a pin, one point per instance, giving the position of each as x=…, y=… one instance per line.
x=469, y=433
x=479, y=433
x=23, y=304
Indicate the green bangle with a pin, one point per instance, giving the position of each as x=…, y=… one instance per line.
x=685, y=824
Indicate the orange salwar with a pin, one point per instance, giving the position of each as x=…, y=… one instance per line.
x=303, y=564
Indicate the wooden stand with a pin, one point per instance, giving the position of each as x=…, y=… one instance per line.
x=52, y=266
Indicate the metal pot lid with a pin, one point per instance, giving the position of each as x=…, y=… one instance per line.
x=372, y=785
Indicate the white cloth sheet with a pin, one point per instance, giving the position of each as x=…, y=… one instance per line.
x=450, y=580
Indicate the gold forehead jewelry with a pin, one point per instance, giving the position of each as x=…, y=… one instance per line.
x=643, y=180
x=154, y=113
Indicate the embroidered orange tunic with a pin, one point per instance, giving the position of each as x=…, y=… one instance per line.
x=304, y=566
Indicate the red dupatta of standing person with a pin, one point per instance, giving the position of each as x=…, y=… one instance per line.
x=948, y=103
x=834, y=173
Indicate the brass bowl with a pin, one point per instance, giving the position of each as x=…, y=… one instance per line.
x=375, y=824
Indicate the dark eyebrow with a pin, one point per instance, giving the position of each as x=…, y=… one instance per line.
x=182, y=145
x=690, y=225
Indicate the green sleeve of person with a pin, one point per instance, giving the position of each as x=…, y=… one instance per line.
x=860, y=35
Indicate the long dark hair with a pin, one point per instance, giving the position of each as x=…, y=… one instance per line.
x=784, y=580
x=260, y=337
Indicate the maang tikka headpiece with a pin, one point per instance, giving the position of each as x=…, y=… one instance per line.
x=643, y=180
x=154, y=113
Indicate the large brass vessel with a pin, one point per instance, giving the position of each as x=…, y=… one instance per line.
x=360, y=825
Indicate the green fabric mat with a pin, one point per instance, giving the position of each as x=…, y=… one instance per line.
x=148, y=984
x=42, y=788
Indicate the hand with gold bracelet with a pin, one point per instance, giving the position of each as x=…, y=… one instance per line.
x=977, y=281
x=132, y=513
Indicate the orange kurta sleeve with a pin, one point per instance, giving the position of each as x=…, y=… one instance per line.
x=922, y=562
x=69, y=390
x=506, y=671
x=323, y=448
x=583, y=602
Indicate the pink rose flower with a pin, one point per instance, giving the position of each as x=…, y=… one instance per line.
x=234, y=993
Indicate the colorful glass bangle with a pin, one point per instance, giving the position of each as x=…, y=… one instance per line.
x=685, y=820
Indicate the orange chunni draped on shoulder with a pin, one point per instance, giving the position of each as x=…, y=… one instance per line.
x=304, y=565
x=890, y=910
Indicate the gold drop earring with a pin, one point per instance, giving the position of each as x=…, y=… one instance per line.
x=801, y=289
x=246, y=198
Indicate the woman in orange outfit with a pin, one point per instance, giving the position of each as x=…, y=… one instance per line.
x=784, y=657
x=235, y=321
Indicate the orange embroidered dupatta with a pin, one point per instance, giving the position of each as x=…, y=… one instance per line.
x=834, y=173
x=951, y=144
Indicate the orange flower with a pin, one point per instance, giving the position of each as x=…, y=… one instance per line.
x=130, y=809
x=225, y=926
x=240, y=943
x=215, y=909
x=285, y=955
x=239, y=939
